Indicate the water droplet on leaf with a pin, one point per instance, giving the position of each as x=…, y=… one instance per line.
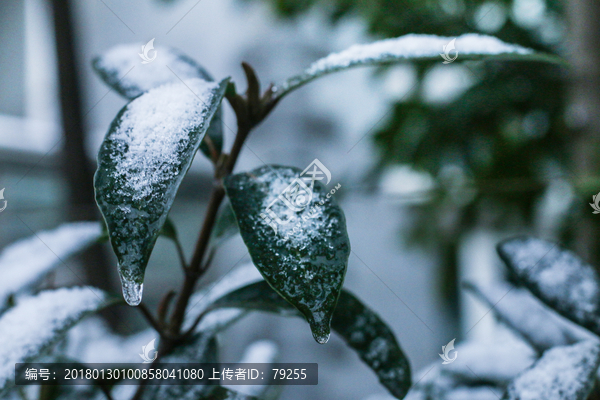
x=320, y=331
x=132, y=291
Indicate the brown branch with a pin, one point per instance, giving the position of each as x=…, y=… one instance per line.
x=163, y=306
x=151, y=320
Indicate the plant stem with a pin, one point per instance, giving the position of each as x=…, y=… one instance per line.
x=151, y=320
x=250, y=111
x=196, y=268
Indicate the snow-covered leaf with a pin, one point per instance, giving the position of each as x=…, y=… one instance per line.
x=201, y=300
x=296, y=237
x=527, y=316
x=413, y=47
x=142, y=161
x=121, y=68
x=360, y=327
x=488, y=365
x=30, y=328
x=557, y=277
x=93, y=341
x=23, y=263
x=563, y=373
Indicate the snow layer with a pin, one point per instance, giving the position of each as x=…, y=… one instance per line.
x=153, y=131
x=563, y=373
x=35, y=323
x=122, y=64
x=413, y=46
x=23, y=263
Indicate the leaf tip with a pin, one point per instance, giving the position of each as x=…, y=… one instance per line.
x=132, y=291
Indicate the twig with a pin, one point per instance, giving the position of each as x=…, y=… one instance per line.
x=163, y=306
x=181, y=254
x=148, y=315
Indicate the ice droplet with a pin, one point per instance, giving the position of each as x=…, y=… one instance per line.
x=320, y=332
x=132, y=291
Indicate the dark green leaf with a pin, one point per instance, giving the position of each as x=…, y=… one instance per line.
x=142, y=161
x=563, y=373
x=557, y=277
x=304, y=255
x=360, y=327
x=168, y=230
x=413, y=47
x=121, y=68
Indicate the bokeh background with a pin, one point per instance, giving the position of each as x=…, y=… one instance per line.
x=437, y=162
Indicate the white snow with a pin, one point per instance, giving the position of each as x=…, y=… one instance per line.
x=296, y=228
x=154, y=131
x=91, y=341
x=563, y=373
x=528, y=316
x=124, y=63
x=497, y=361
x=36, y=322
x=24, y=262
x=237, y=278
x=412, y=46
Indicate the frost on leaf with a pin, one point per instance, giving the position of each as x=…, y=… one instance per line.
x=142, y=161
x=31, y=327
x=306, y=257
x=202, y=300
x=563, y=373
x=527, y=316
x=406, y=48
x=557, y=276
x=24, y=262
